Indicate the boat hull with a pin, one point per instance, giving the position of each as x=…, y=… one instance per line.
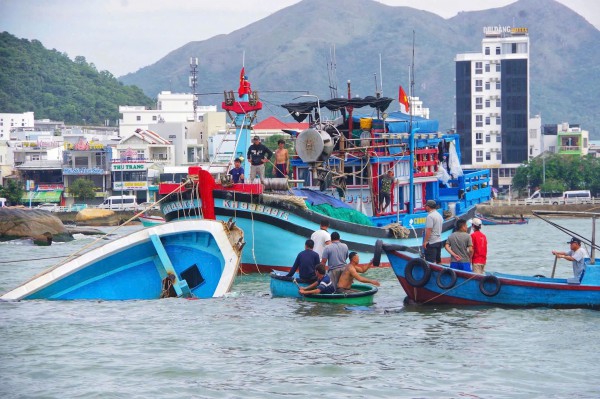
x=282, y=286
x=201, y=254
x=150, y=221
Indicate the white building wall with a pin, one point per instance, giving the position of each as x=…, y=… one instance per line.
x=8, y=122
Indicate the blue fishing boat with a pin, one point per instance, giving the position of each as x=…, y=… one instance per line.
x=151, y=220
x=283, y=286
x=430, y=283
x=339, y=175
x=190, y=259
x=501, y=220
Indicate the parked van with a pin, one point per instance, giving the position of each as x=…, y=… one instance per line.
x=577, y=197
x=120, y=203
x=545, y=197
x=2, y=202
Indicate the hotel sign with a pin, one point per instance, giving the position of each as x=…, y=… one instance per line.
x=83, y=171
x=130, y=185
x=128, y=166
x=496, y=29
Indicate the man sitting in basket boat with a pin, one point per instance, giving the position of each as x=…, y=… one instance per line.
x=351, y=272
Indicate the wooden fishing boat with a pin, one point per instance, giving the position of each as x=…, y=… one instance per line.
x=429, y=283
x=151, y=220
x=500, y=220
x=283, y=286
x=191, y=259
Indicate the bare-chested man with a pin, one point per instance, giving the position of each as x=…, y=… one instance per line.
x=351, y=272
x=282, y=160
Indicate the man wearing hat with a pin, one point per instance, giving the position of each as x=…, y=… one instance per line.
x=432, y=242
x=576, y=255
x=258, y=154
x=479, y=239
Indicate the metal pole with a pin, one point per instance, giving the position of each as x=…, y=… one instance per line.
x=593, y=254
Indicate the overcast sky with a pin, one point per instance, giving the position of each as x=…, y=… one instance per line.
x=122, y=36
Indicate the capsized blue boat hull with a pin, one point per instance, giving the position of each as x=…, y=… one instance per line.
x=202, y=256
x=429, y=283
x=149, y=221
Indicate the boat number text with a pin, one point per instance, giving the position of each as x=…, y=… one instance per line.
x=256, y=208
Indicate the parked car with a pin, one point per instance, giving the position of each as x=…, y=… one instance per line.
x=48, y=207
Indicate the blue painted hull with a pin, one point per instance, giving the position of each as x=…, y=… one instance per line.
x=133, y=267
x=150, y=221
x=471, y=288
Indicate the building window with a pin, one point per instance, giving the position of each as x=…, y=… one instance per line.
x=498, y=156
x=478, y=85
x=138, y=118
x=478, y=68
x=487, y=67
x=487, y=103
x=498, y=86
x=513, y=48
x=154, y=117
x=488, y=138
x=478, y=120
x=487, y=120
x=498, y=121
x=487, y=51
x=478, y=138
x=478, y=103
x=488, y=156
x=479, y=156
x=487, y=85
x=498, y=69
x=499, y=139
x=498, y=103
x=498, y=50
x=532, y=133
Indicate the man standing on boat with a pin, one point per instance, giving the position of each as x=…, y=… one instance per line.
x=321, y=238
x=305, y=263
x=460, y=246
x=258, y=154
x=335, y=255
x=576, y=255
x=385, y=190
x=432, y=243
x=352, y=271
x=237, y=173
x=479, y=239
x=282, y=159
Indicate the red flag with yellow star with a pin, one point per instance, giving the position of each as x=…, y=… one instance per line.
x=403, y=98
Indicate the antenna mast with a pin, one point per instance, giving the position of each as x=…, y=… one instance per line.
x=193, y=83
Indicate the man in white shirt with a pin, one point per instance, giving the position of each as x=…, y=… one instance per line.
x=321, y=238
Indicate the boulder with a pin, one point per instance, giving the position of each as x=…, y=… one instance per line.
x=97, y=217
x=41, y=226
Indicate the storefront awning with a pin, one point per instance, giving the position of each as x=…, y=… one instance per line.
x=41, y=196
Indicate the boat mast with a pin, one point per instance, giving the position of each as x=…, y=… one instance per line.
x=412, y=133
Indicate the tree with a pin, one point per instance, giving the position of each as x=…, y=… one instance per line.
x=82, y=189
x=13, y=192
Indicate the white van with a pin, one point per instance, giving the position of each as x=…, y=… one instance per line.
x=120, y=203
x=2, y=202
x=542, y=197
x=577, y=197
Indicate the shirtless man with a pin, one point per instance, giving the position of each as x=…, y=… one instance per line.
x=351, y=272
x=282, y=160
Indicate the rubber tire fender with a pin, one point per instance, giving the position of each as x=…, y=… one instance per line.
x=377, y=255
x=408, y=272
x=489, y=279
x=452, y=281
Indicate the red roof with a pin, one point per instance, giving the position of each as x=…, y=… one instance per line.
x=272, y=123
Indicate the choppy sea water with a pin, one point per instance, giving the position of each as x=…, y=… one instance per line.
x=249, y=345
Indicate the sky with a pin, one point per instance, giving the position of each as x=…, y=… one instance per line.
x=122, y=36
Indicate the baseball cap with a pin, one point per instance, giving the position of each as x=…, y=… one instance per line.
x=256, y=138
x=476, y=222
x=431, y=203
x=574, y=239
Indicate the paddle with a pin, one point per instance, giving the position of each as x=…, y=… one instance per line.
x=554, y=267
x=297, y=285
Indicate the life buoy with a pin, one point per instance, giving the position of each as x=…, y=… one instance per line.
x=417, y=264
x=377, y=255
x=442, y=278
x=492, y=282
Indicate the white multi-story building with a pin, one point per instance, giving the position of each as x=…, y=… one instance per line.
x=9, y=122
x=492, y=104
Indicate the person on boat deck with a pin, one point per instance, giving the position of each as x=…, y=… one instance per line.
x=335, y=255
x=479, y=239
x=321, y=238
x=385, y=190
x=460, y=246
x=282, y=159
x=576, y=255
x=323, y=285
x=305, y=263
x=237, y=172
x=258, y=154
x=432, y=243
x=352, y=271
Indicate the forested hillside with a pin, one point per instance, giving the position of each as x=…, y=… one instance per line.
x=47, y=82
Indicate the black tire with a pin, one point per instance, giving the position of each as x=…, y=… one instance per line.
x=413, y=264
x=442, y=274
x=487, y=281
x=540, y=275
x=377, y=255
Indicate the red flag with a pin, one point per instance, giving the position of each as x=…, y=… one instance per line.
x=244, y=84
x=403, y=99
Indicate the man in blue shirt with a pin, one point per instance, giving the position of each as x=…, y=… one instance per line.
x=237, y=173
x=323, y=284
x=306, y=261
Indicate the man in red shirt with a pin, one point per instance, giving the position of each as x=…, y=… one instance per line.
x=479, y=239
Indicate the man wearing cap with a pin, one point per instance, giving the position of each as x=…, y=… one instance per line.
x=258, y=154
x=432, y=242
x=576, y=255
x=479, y=239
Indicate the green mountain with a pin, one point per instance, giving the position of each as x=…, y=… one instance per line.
x=290, y=50
x=33, y=78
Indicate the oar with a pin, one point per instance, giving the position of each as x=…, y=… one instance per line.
x=554, y=267
x=297, y=285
